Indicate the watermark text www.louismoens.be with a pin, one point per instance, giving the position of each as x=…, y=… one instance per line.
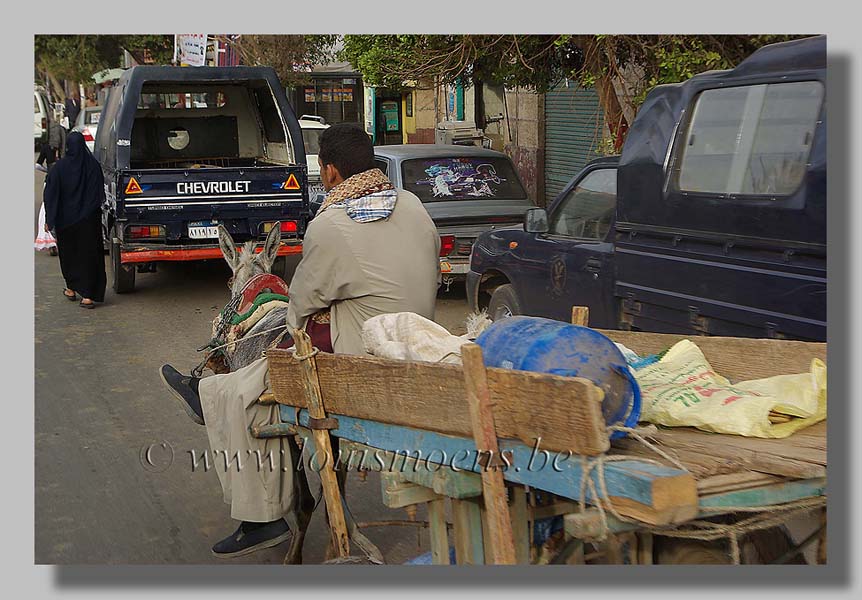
x=158, y=457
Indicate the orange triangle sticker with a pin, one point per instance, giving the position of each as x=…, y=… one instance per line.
x=291, y=183
x=133, y=187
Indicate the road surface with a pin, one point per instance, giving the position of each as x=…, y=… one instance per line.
x=99, y=403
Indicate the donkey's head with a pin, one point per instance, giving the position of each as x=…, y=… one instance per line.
x=245, y=264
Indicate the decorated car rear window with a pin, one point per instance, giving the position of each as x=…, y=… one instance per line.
x=461, y=178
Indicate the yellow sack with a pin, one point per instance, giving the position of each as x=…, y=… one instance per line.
x=682, y=390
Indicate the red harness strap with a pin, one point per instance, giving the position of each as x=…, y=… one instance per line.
x=260, y=284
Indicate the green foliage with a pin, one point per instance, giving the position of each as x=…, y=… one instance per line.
x=78, y=57
x=536, y=62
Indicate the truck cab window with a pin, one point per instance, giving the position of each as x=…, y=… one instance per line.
x=587, y=211
x=749, y=140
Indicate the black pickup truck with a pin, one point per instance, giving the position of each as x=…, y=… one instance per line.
x=184, y=149
x=711, y=222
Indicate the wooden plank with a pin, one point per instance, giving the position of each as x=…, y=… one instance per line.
x=822, y=542
x=775, y=457
x=645, y=548
x=397, y=493
x=588, y=525
x=520, y=524
x=331, y=491
x=499, y=539
x=443, y=481
x=653, y=493
x=738, y=359
x=697, y=463
x=439, y=535
x=581, y=315
x=467, y=531
x=430, y=396
x=734, y=481
x=767, y=495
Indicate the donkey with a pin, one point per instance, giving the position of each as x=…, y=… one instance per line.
x=244, y=265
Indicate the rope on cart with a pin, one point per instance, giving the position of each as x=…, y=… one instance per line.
x=768, y=516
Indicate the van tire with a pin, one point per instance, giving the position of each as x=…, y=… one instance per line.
x=504, y=303
x=122, y=276
x=279, y=267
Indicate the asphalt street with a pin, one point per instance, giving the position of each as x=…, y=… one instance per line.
x=100, y=404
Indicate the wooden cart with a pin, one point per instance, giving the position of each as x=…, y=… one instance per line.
x=508, y=448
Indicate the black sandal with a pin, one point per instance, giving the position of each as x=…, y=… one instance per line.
x=72, y=298
x=83, y=304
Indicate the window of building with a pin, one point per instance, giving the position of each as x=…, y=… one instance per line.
x=749, y=140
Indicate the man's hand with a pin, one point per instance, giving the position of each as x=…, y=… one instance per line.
x=45, y=227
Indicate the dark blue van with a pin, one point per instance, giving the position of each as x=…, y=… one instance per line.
x=711, y=222
x=185, y=149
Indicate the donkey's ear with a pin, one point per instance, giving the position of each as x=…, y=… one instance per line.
x=270, y=247
x=228, y=247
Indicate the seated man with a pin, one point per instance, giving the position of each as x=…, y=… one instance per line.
x=369, y=250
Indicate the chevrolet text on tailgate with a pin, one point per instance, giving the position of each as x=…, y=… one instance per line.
x=186, y=150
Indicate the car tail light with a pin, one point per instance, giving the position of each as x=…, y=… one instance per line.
x=286, y=226
x=145, y=231
x=88, y=137
x=44, y=123
x=447, y=244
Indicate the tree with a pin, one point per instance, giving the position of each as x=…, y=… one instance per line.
x=532, y=61
x=292, y=56
x=539, y=62
x=78, y=57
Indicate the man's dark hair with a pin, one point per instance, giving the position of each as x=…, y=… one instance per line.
x=348, y=147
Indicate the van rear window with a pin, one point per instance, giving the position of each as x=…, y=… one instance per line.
x=461, y=178
x=749, y=140
x=214, y=99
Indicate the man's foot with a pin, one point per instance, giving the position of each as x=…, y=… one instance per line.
x=184, y=389
x=41, y=168
x=250, y=537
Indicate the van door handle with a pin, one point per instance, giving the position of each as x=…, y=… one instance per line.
x=593, y=264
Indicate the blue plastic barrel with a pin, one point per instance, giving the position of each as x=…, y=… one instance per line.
x=548, y=346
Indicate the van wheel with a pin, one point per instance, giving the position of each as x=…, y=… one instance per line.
x=122, y=276
x=279, y=267
x=504, y=303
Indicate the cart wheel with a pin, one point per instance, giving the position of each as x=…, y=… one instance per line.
x=123, y=276
x=689, y=552
x=756, y=548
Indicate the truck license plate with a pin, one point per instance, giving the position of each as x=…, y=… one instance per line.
x=203, y=230
x=458, y=268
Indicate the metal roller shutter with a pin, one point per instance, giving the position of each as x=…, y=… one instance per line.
x=573, y=130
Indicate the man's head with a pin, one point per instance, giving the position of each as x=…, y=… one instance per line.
x=345, y=150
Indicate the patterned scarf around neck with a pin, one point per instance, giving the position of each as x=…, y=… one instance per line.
x=367, y=196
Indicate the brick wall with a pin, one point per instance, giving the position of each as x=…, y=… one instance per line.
x=422, y=136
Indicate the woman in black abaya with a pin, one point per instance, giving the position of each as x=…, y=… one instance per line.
x=74, y=191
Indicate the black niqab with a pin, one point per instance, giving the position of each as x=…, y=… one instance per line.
x=74, y=187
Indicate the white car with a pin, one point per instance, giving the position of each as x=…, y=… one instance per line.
x=41, y=117
x=87, y=124
x=312, y=127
